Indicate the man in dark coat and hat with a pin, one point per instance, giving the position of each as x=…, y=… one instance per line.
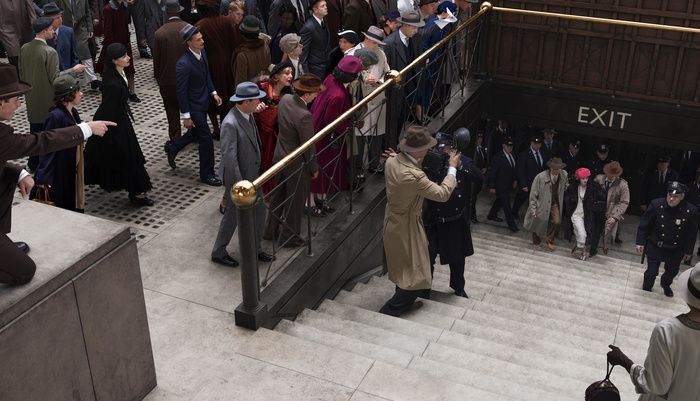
x=447, y=223
x=16, y=267
x=315, y=39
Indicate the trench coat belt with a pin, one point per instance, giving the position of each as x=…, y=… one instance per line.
x=449, y=219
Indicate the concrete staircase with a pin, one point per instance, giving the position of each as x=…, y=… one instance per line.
x=535, y=328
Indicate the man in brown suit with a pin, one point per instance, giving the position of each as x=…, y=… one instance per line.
x=296, y=126
x=167, y=49
x=16, y=267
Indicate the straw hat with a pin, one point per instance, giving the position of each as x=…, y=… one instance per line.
x=689, y=282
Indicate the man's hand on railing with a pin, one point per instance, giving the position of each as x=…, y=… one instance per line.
x=388, y=153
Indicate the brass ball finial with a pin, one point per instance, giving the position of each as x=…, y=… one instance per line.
x=486, y=4
x=243, y=194
x=394, y=76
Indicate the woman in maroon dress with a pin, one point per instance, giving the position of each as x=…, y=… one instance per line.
x=115, y=19
x=331, y=153
x=280, y=83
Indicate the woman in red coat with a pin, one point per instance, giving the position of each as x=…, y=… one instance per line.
x=115, y=18
x=331, y=154
x=280, y=83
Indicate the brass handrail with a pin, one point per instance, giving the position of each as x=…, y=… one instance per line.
x=584, y=18
x=244, y=193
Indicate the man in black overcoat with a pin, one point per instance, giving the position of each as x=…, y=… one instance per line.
x=571, y=157
x=601, y=159
x=502, y=180
x=531, y=162
x=447, y=223
x=667, y=232
x=687, y=163
x=657, y=180
x=316, y=40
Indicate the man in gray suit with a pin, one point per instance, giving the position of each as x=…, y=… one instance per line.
x=240, y=160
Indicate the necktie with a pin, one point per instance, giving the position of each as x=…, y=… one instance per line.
x=300, y=9
x=607, y=185
x=538, y=158
x=510, y=160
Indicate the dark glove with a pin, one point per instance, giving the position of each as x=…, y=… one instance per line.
x=617, y=357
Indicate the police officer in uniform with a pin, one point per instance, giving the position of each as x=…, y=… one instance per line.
x=667, y=233
x=596, y=166
x=447, y=223
x=571, y=157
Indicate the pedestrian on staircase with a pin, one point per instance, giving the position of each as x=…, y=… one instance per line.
x=667, y=232
x=405, y=242
x=543, y=216
x=618, y=194
x=670, y=371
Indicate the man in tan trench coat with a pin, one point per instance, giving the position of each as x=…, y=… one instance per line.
x=405, y=243
x=543, y=216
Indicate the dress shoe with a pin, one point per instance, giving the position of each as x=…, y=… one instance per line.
x=416, y=305
x=96, y=84
x=618, y=241
x=140, y=200
x=496, y=219
x=134, y=99
x=461, y=293
x=668, y=291
x=23, y=246
x=266, y=257
x=170, y=154
x=214, y=181
x=225, y=260
x=145, y=54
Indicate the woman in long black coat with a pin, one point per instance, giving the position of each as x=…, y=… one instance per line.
x=115, y=161
x=593, y=208
x=62, y=171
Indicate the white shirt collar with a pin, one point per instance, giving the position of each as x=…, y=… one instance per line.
x=246, y=115
x=319, y=20
x=197, y=55
x=404, y=38
x=40, y=39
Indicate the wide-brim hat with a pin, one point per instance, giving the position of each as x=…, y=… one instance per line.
x=51, y=10
x=172, y=6
x=10, y=85
x=411, y=18
x=349, y=35
x=247, y=91
x=188, y=31
x=612, y=168
x=277, y=68
x=308, y=83
x=375, y=34
x=417, y=139
x=556, y=162
x=689, y=283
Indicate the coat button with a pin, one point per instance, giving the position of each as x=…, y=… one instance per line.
x=459, y=196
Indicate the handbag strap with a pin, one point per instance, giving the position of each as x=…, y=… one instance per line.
x=609, y=371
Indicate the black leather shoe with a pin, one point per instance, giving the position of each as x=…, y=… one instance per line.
x=496, y=219
x=23, y=246
x=618, y=241
x=668, y=292
x=266, y=257
x=96, y=84
x=170, y=154
x=145, y=54
x=134, y=99
x=225, y=260
x=213, y=181
x=461, y=293
x=140, y=200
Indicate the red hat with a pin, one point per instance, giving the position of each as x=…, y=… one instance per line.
x=350, y=65
x=582, y=173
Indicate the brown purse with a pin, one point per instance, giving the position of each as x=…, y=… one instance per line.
x=42, y=195
x=603, y=390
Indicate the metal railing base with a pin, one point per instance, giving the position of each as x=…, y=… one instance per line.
x=251, y=318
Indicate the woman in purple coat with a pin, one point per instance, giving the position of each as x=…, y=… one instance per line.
x=331, y=153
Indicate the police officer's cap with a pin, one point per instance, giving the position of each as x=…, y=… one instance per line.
x=508, y=141
x=576, y=143
x=676, y=188
x=536, y=139
x=444, y=139
x=663, y=159
x=602, y=148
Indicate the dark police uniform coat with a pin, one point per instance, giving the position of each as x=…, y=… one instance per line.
x=596, y=166
x=447, y=223
x=668, y=232
x=572, y=163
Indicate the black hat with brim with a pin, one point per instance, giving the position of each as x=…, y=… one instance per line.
x=10, y=85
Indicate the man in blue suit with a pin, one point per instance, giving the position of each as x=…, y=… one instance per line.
x=64, y=43
x=194, y=88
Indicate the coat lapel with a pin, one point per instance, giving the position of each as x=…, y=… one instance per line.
x=248, y=128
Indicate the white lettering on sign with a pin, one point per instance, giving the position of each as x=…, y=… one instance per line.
x=606, y=118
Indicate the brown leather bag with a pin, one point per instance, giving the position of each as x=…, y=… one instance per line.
x=603, y=390
x=42, y=195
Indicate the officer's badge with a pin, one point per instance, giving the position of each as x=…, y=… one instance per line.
x=678, y=222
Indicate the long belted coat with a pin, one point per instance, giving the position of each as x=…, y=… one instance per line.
x=541, y=202
x=405, y=242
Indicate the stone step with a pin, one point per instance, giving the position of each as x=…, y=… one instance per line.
x=399, y=325
x=506, y=370
x=474, y=377
x=374, y=301
x=387, y=287
x=344, y=343
x=307, y=357
x=363, y=332
x=448, y=297
x=387, y=381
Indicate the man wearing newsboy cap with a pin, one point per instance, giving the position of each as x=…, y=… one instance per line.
x=16, y=267
x=667, y=232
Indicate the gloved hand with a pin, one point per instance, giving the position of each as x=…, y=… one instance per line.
x=617, y=357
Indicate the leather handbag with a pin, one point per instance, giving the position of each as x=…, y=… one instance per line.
x=42, y=195
x=603, y=390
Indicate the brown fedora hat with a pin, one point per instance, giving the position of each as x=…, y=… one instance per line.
x=416, y=139
x=613, y=168
x=556, y=162
x=308, y=83
x=10, y=86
